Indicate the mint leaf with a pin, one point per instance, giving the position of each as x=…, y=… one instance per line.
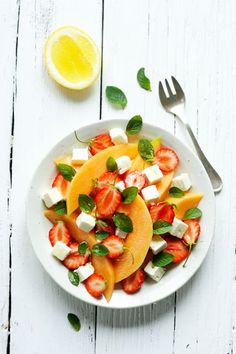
x=176, y=192
x=193, y=213
x=111, y=164
x=161, y=227
x=116, y=96
x=74, y=321
x=101, y=235
x=60, y=208
x=82, y=248
x=73, y=277
x=143, y=80
x=134, y=125
x=129, y=194
x=162, y=259
x=67, y=171
x=146, y=150
x=86, y=203
x=100, y=250
x=123, y=222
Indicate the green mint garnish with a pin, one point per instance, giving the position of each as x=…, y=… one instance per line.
x=60, y=208
x=129, y=194
x=111, y=164
x=116, y=96
x=100, y=250
x=101, y=235
x=161, y=227
x=86, y=203
x=143, y=80
x=67, y=171
x=73, y=277
x=162, y=259
x=82, y=248
x=123, y=222
x=134, y=125
x=176, y=192
x=74, y=321
x=146, y=150
x=193, y=213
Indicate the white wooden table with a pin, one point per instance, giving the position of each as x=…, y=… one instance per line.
x=195, y=41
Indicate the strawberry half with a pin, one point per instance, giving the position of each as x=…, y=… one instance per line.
x=134, y=282
x=106, y=226
x=107, y=178
x=162, y=211
x=100, y=143
x=192, y=233
x=166, y=159
x=95, y=285
x=136, y=179
x=177, y=248
x=107, y=200
x=115, y=246
x=61, y=183
x=59, y=232
x=75, y=259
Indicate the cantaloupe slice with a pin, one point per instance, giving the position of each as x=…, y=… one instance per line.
x=163, y=185
x=188, y=201
x=94, y=168
x=102, y=265
x=137, y=241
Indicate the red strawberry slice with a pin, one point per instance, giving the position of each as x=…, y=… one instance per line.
x=134, y=282
x=59, y=232
x=106, y=226
x=75, y=259
x=95, y=285
x=115, y=246
x=177, y=248
x=62, y=184
x=166, y=159
x=135, y=178
x=100, y=143
x=107, y=200
x=192, y=233
x=107, y=178
x=162, y=211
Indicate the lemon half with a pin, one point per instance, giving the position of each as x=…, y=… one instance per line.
x=72, y=58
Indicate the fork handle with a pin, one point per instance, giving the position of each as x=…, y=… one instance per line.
x=215, y=179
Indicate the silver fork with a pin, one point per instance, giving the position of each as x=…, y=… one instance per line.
x=175, y=104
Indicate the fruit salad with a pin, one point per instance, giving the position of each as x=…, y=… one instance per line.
x=119, y=211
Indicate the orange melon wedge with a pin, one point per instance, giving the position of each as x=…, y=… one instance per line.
x=188, y=201
x=163, y=185
x=102, y=265
x=94, y=168
x=137, y=241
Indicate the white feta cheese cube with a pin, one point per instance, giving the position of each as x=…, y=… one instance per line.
x=60, y=250
x=80, y=155
x=120, y=233
x=157, y=244
x=118, y=136
x=150, y=193
x=178, y=228
x=52, y=197
x=182, y=182
x=85, y=222
x=156, y=273
x=123, y=164
x=85, y=271
x=153, y=173
x=120, y=185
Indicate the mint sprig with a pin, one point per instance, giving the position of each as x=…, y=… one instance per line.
x=162, y=259
x=111, y=164
x=86, y=203
x=176, y=192
x=143, y=80
x=73, y=277
x=74, y=321
x=101, y=235
x=161, y=227
x=134, y=125
x=123, y=222
x=129, y=194
x=82, y=248
x=100, y=250
x=60, y=208
x=67, y=171
x=193, y=213
x=146, y=150
x=116, y=96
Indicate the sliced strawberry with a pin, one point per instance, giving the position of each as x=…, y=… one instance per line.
x=166, y=159
x=107, y=200
x=107, y=178
x=59, y=232
x=106, y=226
x=192, y=233
x=115, y=246
x=100, y=143
x=75, y=259
x=162, y=211
x=134, y=282
x=62, y=184
x=95, y=285
x=135, y=178
x=177, y=248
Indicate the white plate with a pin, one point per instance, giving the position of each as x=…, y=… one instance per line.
x=39, y=226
